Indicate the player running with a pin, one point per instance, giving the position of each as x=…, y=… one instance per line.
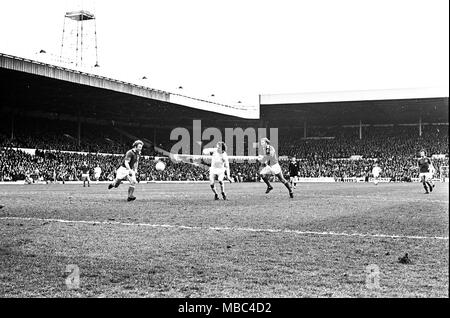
x=293, y=172
x=85, y=174
x=272, y=166
x=376, y=170
x=426, y=172
x=128, y=169
x=220, y=168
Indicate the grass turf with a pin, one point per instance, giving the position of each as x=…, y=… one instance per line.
x=205, y=248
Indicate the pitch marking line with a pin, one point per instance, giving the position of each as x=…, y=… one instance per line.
x=243, y=229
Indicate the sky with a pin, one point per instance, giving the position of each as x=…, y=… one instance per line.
x=238, y=49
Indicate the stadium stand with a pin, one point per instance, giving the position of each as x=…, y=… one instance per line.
x=394, y=148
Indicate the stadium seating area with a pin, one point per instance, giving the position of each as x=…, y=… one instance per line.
x=394, y=148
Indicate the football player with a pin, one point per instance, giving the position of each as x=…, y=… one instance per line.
x=426, y=170
x=272, y=167
x=293, y=172
x=376, y=173
x=128, y=169
x=85, y=174
x=220, y=168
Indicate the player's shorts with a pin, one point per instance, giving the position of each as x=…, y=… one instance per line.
x=275, y=169
x=123, y=174
x=85, y=175
x=426, y=175
x=218, y=173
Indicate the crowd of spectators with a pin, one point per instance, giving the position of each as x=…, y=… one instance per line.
x=376, y=142
x=394, y=148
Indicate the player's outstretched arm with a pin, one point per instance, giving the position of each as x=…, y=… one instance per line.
x=208, y=151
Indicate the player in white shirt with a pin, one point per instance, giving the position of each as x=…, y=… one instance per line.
x=220, y=168
x=97, y=172
x=376, y=173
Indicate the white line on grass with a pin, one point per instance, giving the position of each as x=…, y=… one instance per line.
x=381, y=198
x=243, y=229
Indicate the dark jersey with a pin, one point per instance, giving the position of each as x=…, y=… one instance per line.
x=132, y=157
x=270, y=157
x=293, y=169
x=85, y=169
x=424, y=165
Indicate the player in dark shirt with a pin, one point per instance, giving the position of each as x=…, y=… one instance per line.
x=85, y=174
x=128, y=169
x=426, y=172
x=272, y=167
x=293, y=172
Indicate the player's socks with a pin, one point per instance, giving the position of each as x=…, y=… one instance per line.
x=222, y=188
x=224, y=196
x=130, y=191
x=431, y=186
x=425, y=187
x=269, y=186
x=288, y=186
x=216, y=195
x=110, y=186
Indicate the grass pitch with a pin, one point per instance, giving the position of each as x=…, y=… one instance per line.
x=176, y=241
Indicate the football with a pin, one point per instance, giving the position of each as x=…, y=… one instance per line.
x=160, y=166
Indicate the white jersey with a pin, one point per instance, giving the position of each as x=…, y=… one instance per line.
x=97, y=171
x=219, y=161
x=376, y=171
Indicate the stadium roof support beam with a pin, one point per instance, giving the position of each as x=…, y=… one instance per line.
x=12, y=125
x=304, y=130
x=360, y=129
x=420, y=126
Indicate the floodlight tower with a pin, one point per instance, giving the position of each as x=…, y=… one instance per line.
x=79, y=39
